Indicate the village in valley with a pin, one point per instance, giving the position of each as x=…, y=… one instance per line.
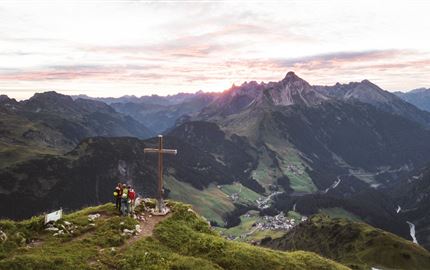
x=254, y=226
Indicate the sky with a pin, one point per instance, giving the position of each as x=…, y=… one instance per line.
x=131, y=47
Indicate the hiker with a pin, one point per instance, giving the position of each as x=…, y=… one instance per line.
x=124, y=201
x=132, y=197
x=117, y=194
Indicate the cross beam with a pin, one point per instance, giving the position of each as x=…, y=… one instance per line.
x=163, y=151
x=160, y=151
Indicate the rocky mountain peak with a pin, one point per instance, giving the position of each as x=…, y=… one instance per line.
x=93, y=105
x=294, y=90
x=368, y=92
x=4, y=98
x=364, y=91
x=370, y=86
x=7, y=102
x=51, y=96
x=291, y=76
x=250, y=90
x=292, y=79
x=50, y=101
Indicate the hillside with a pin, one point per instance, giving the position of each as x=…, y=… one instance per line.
x=51, y=123
x=413, y=198
x=302, y=150
x=88, y=174
x=84, y=176
x=418, y=97
x=367, y=92
x=357, y=245
x=97, y=238
x=313, y=138
x=335, y=146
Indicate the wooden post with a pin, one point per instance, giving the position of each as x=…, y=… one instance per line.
x=160, y=151
x=160, y=173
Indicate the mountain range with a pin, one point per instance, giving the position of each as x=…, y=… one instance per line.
x=51, y=123
x=419, y=97
x=285, y=146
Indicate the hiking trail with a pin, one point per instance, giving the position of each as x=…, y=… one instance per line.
x=146, y=226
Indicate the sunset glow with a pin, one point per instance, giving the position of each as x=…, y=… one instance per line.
x=114, y=48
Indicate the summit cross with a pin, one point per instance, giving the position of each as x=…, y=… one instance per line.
x=160, y=151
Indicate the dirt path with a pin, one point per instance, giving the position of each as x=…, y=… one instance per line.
x=147, y=226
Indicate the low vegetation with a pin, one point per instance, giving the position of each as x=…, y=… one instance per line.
x=357, y=245
x=337, y=212
x=94, y=238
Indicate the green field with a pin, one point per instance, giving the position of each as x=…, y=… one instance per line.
x=337, y=212
x=264, y=173
x=211, y=202
x=12, y=154
x=245, y=195
x=15, y=147
x=291, y=165
x=300, y=181
x=261, y=234
x=245, y=227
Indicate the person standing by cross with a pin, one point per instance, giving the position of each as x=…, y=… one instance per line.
x=160, y=151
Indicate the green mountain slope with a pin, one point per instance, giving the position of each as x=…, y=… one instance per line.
x=340, y=148
x=182, y=240
x=86, y=175
x=413, y=198
x=51, y=123
x=357, y=245
x=419, y=97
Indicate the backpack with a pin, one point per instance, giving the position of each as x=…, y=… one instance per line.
x=125, y=193
x=117, y=192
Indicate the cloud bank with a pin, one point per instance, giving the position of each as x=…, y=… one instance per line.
x=111, y=48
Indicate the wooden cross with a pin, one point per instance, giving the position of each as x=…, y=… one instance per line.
x=160, y=151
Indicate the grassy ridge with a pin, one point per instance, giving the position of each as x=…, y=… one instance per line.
x=189, y=236
x=337, y=212
x=355, y=244
x=29, y=246
x=182, y=241
x=15, y=143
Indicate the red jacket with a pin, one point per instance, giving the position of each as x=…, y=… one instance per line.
x=132, y=194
